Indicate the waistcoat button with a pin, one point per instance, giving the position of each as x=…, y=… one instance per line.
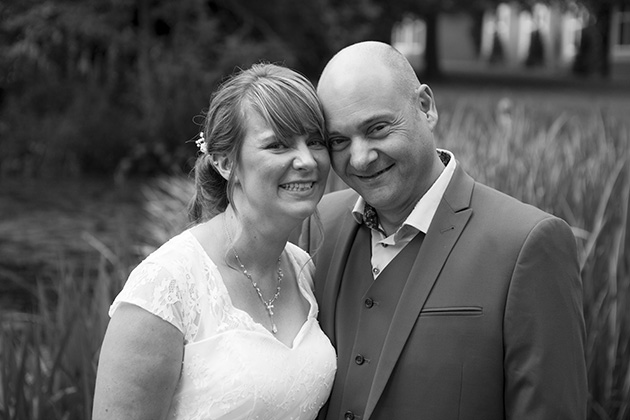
x=349, y=415
x=359, y=360
x=369, y=303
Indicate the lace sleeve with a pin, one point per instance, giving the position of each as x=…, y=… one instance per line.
x=153, y=288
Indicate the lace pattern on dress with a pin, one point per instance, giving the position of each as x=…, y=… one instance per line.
x=233, y=368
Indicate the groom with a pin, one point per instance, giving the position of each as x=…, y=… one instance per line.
x=445, y=299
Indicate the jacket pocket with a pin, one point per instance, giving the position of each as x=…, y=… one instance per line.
x=453, y=311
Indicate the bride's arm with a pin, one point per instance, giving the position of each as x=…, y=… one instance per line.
x=139, y=366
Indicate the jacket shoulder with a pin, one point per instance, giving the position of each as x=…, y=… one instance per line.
x=336, y=203
x=508, y=214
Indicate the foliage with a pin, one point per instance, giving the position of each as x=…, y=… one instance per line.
x=115, y=84
x=48, y=359
x=575, y=164
x=118, y=86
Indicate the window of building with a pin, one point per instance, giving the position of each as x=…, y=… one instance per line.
x=624, y=26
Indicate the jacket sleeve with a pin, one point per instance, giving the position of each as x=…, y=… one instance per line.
x=544, y=366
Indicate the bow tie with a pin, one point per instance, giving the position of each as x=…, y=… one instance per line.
x=370, y=218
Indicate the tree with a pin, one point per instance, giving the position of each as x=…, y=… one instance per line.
x=113, y=81
x=103, y=78
x=297, y=30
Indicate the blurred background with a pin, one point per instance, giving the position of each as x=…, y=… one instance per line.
x=100, y=101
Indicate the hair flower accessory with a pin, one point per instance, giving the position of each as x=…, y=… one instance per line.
x=201, y=143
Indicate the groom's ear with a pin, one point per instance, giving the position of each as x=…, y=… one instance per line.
x=426, y=102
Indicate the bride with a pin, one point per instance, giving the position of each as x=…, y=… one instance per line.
x=221, y=322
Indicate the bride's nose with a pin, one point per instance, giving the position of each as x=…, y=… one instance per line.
x=303, y=159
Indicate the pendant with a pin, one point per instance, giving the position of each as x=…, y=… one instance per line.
x=270, y=312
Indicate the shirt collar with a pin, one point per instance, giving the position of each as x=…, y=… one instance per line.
x=422, y=214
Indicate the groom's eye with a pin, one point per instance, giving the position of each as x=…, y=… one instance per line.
x=338, y=143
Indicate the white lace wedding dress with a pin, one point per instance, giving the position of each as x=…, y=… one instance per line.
x=233, y=368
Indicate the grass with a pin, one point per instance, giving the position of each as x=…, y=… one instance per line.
x=573, y=162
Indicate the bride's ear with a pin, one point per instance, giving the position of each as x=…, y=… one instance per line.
x=222, y=164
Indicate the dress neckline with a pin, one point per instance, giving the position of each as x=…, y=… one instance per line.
x=246, y=316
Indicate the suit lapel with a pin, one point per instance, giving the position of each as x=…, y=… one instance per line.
x=448, y=223
x=342, y=235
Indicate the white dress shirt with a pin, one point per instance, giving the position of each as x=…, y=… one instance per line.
x=385, y=249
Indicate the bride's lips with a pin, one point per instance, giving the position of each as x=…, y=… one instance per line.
x=298, y=186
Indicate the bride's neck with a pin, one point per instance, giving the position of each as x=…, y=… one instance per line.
x=258, y=246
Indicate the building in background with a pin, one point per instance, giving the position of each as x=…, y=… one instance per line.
x=545, y=37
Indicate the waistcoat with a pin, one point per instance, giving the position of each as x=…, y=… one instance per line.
x=364, y=311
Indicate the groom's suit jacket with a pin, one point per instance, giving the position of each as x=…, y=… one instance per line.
x=485, y=321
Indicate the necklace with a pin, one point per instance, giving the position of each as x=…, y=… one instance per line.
x=267, y=303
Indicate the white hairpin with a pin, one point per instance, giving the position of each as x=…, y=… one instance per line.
x=201, y=143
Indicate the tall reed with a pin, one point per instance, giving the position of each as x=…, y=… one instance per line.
x=48, y=358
